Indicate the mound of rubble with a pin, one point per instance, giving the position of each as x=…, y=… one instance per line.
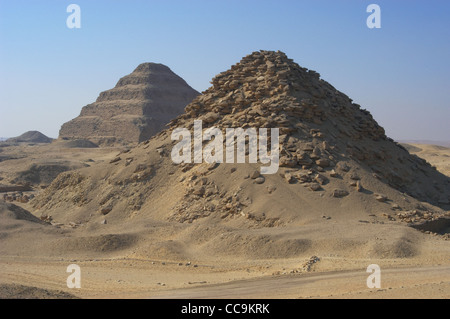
x=335, y=162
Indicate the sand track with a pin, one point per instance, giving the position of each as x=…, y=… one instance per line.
x=113, y=279
x=410, y=282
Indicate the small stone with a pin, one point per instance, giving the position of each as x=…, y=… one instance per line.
x=199, y=191
x=115, y=160
x=287, y=162
x=103, y=222
x=289, y=178
x=128, y=161
x=380, y=197
x=343, y=166
x=359, y=188
x=211, y=117
x=333, y=173
x=321, y=179
x=323, y=162
x=271, y=189
x=260, y=180
x=105, y=210
x=304, y=178
x=212, y=166
x=340, y=193
x=314, y=187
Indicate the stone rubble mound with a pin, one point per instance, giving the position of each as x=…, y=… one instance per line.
x=334, y=159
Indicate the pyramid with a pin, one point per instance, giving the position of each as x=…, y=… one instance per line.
x=337, y=167
x=134, y=110
x=30, y=137
x=320, y=127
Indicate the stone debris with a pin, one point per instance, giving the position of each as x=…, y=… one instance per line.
x=17, y=196
x=46, y=218
x=289, y=178
x=417, y=216
x=308, y=265
x=321, y=179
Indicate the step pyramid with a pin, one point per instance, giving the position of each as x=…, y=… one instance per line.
x=138, y=107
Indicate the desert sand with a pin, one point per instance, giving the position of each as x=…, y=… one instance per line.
x=436, y=155
x=140, y=226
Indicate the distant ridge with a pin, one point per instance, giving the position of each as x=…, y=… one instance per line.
x=428, y=142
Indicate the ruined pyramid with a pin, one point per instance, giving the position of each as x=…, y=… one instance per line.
x=30, y=137
x=337, y=167
x=138, y=107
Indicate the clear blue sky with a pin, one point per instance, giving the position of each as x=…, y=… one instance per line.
x=400, y=73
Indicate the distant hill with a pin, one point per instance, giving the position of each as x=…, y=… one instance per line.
x=30, y=137
x=429, y=142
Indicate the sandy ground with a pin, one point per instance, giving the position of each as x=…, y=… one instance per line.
x=17, y=159
x=127, y=278
x=436, y=155
x=413, y=264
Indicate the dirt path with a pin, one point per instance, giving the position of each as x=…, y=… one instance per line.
x=424, y=282
x=126, y=278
